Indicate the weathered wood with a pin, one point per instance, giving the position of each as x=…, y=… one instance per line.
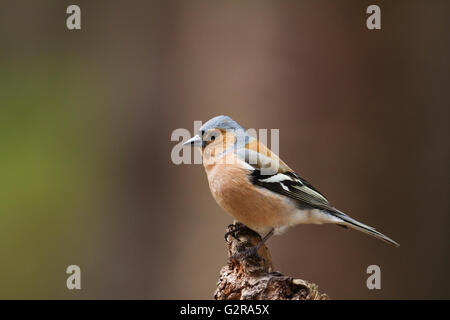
x=253, y=278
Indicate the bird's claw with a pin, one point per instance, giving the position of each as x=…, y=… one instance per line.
x=234, y=228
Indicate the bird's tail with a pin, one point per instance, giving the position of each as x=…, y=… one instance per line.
x=352, y=223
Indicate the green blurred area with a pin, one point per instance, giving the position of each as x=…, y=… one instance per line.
x=51, y=166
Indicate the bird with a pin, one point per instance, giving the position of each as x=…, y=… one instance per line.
x=258, y=189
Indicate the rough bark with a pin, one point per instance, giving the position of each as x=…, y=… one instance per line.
x=253, y=278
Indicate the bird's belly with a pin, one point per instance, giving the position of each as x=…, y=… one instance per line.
x=257, y=208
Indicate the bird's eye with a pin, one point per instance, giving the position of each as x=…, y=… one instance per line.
x=213, y=138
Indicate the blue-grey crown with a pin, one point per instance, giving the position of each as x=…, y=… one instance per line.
x=221, y=122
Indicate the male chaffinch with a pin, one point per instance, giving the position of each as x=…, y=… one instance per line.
x=257, y=188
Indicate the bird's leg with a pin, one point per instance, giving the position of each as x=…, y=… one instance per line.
x=253, y=251
x=236, y=227
x=266, y=237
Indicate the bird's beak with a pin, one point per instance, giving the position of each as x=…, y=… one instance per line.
x=195, y=141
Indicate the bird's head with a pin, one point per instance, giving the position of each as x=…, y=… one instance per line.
x=220, y=130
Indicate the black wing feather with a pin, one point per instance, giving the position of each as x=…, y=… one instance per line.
x=295, y=188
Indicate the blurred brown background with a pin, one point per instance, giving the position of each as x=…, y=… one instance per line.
x=86, y=117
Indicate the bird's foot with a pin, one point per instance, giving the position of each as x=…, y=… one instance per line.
x=234, y=228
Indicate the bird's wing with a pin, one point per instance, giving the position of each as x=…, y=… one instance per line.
x=269, y=172
x=291, y=185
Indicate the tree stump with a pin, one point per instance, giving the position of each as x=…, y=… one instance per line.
x=255, y=279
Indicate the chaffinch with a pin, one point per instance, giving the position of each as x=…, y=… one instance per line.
x=257, y=188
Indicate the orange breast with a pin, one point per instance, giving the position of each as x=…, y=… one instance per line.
x=257, y=208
